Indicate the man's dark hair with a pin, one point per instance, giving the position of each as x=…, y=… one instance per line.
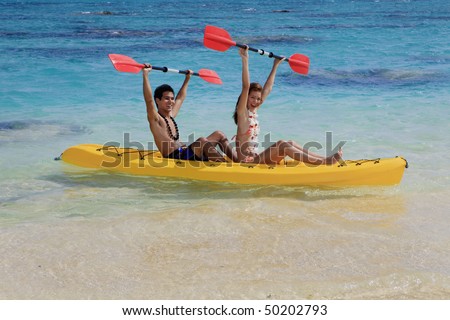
x=160, y=90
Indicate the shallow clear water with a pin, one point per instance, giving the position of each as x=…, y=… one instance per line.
x=378, y=80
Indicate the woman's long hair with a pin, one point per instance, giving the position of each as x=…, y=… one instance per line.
x=254, y=86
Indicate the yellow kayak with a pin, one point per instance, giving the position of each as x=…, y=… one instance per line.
x=382, y=171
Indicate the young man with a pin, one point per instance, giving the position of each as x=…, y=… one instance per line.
x=165, y=129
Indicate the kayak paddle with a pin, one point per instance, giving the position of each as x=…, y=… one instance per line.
x=124, y=63
x=219, y=39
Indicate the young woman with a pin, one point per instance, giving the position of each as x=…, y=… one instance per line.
x=246, y=117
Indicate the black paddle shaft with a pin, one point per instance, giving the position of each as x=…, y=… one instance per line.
x=261, y=51
x=165, y=69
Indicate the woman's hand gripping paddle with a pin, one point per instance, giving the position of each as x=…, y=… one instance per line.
x=219, y=39
x=126, y=64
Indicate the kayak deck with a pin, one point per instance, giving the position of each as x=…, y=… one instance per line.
x=381, y=171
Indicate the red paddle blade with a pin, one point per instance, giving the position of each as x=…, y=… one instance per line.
x=299, y=63
x=217, y=39
x=124, y=63
x=209, y=76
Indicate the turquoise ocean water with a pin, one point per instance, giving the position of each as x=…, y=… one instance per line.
x=379, y=80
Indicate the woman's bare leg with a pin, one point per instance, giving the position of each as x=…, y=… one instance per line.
x=301, y=149
x=279, y=150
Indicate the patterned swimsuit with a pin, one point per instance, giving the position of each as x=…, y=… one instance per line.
x=252, y=132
